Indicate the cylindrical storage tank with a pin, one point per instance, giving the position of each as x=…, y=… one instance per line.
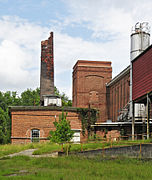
x=140, y=39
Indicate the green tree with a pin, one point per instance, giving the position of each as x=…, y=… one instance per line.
x=30, y=97
x=63, y=132
x=4, y=126
x=9, y=99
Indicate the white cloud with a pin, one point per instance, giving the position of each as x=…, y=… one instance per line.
x=19, y=53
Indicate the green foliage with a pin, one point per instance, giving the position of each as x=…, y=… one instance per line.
x=9, y=99
x=63, y=132
x=30, y=97
x=64, y=98
x=88, y=118
x=4, y=126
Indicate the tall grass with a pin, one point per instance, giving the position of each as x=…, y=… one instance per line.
x=67, y=168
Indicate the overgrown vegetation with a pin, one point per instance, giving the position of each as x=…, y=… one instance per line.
x=67, y=168
x=27, y=98
x=88, y=117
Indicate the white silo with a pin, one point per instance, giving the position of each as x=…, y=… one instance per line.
x=140, y=39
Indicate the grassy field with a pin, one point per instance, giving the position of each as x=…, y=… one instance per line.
x=72, y=167
x=44, y=148
x=75, y=168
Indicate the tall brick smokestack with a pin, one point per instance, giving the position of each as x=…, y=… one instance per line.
x=47, y=68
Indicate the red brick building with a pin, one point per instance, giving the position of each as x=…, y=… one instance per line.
x=118, y=95
x=89, y=85
x=92, y=85
x=36, y=122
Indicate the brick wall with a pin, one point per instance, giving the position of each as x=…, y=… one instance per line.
x=24, y=119
x=89, y=85
x=118, y=92
x=113, y=135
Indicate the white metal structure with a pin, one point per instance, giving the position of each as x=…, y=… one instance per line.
x=140, y=39
x=52, y=100
x=76, y=136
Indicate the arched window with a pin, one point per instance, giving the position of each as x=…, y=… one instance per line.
x=35, y=135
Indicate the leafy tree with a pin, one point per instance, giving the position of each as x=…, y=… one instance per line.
x=4, y=126
x=63, y=132
x=9, y=99
x=30, y=97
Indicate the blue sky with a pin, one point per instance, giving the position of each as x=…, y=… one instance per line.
x=83, y=29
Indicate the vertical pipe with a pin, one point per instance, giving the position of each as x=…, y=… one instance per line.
x=111, y=106
x=133, y=122
x=147, y=117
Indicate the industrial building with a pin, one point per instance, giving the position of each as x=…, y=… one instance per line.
x=124, y=102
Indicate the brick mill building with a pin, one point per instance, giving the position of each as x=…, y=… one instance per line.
x=93, y=87
x=89, y=85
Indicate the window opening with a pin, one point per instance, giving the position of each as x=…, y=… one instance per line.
x=35, y=135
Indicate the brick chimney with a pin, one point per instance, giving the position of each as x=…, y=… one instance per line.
x=47, y=68
x=47, y=96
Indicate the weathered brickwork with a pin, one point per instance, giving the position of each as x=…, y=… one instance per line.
x=89, y=85
x=118, y=93
x=113, y=135
x=47, y=67
x=24, y=119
